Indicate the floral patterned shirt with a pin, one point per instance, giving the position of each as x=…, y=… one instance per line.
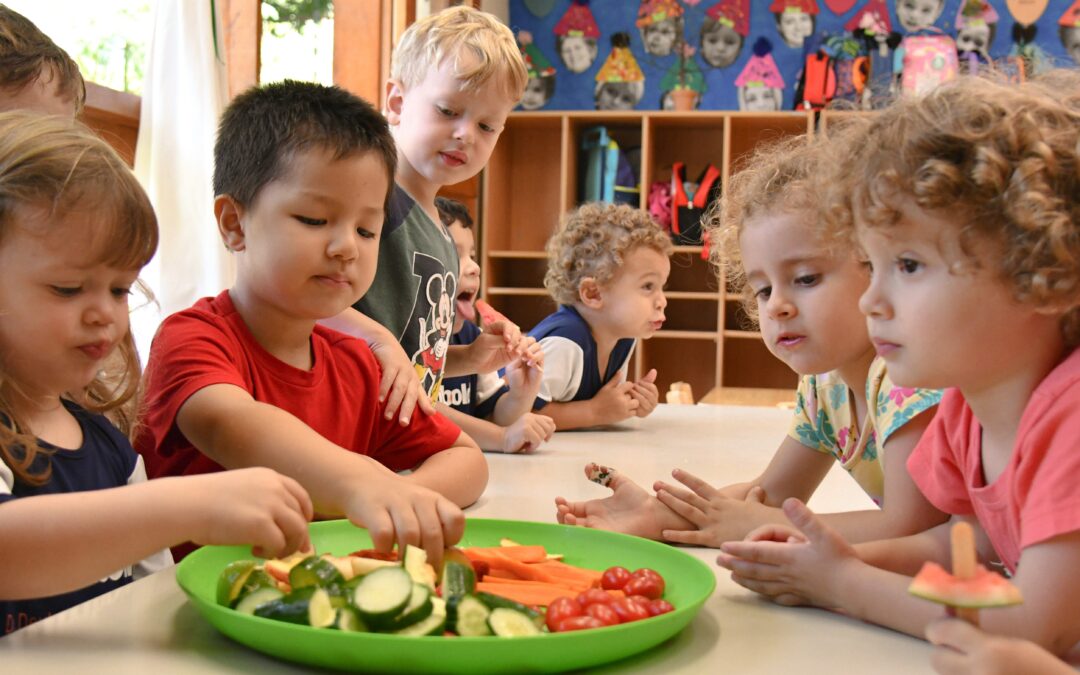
x=825, y=421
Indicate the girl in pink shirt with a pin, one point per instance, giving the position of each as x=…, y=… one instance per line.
x=967, y=204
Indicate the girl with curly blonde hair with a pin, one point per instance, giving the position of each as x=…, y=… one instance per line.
x=800, y=282
x=969, y=212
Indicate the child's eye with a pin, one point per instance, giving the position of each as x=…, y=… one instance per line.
x=310, y=221
x=365, y=233
x=907, y=265
x=446, y=111
x=807, y=280
x=763, y=293
x=121, y=291
x=66, y=291
x=487, y=128
x=648, y=287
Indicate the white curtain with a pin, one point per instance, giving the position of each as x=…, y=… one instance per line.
x=185, y=92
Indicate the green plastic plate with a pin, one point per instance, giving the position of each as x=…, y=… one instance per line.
x=689, y=583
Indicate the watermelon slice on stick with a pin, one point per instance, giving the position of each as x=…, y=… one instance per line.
x=970, y=587
x=488, y=314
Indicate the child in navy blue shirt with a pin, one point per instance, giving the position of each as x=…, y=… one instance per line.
x=607, y=266
x=76, y=512
x=501, y=423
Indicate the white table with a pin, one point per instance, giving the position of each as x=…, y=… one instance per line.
x=148, y=626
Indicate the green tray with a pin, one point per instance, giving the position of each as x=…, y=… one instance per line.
x=689, y=583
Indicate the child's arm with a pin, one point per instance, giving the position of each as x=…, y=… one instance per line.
x=812, y=564
x=90, y=535
x=231, y=428
x=399, y=385
x=613, y=403
x=963, y=649
x=459, y=473
x=629, y=509
x=497, y=346
x=524, y=435
x=523, y=381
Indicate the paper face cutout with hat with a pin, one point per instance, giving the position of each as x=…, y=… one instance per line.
x=726, y=25
x=683, y=74
x=1069, y=32
x=620, y=83
x=918, y=14
x=541, y=85
x=661, y=26
x=976, y=22
x=795, y=20
x=576, y=35
x=761, y=88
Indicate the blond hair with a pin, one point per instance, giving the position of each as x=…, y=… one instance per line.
x=62, y=167
x=454, y=33
x=1000, y=160
x=793, y=175
x=593, y=240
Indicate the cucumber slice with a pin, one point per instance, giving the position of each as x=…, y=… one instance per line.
x=506, y=622
x=255, y=599
x=383, y=593
x=349, y=621
x=321, y=613
x=434, y=624
x=417, y=609
x=457, y=580
x=306, y=606
x=231, y=582
x=415, y=563
x=315, y=572
x=496, y=601
x=468, y=616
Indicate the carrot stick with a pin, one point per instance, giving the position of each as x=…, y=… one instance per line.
x=525, y=554
x=498, y=561
x=500, y=574
x=964, y=565
x=526, y=594
x=563, y=571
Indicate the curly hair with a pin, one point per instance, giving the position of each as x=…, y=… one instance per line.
x=593, y=241
x=60, y=167
x=794, y=175
x=1003, y=161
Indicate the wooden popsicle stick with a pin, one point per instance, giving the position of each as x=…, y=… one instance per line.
x=964, y=565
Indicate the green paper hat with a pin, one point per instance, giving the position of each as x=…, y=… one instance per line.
x=693, y=78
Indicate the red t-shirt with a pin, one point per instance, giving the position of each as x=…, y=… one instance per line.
x=1037, y=496
x=338, y=398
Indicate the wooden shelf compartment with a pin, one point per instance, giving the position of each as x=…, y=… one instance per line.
x=515, y=272
x=747, y=131
x=679, y=360
x=690, y=273
x=692, y=315
x=747, y=363
x=735, y=317
x=695, y=140
x=524, y=309
x=626, y=128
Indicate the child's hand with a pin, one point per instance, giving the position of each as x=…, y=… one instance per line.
x=250, y=506
x=963, y=649
x=395, y=510
x=524, y=375
x=499, y=344
x=527, y=433
x=613, y=403
x=791, y=566
x=716, y=517
x=646, y=394
x=400, y=385
x=629, y=509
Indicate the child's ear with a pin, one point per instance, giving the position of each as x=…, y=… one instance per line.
x=229, y=214
x=590, y=293
x=395, y=95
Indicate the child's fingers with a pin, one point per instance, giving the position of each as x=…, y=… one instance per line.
x=293, y=529
x=650, y=376
x=955, y=633
x=301, y=497
x=684, y=495
x=688, y=537
x=426, y=404
x=810, y=526
x=694, y=483
x=687, y=511
x=381, y=529
x=756, y=494
x=548, y=425
x=431, y=531
x=452, y=519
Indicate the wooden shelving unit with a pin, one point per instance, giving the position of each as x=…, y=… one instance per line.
x=532, y=179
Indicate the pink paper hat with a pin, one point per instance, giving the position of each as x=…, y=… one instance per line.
x=578, y=21
x=734, y=13
x=761, y=70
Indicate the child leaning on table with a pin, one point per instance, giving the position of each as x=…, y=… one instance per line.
x=455, y=77
x=802, y=286
x=505, y=425
x=76, y=512
x=303, y=174
x=607, y=266
x=970, y=217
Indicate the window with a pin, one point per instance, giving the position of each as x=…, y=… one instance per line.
x=297, y=41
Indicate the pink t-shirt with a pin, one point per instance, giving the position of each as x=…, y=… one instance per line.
x=1037, y=496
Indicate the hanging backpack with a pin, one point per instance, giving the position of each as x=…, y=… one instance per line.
x=687, y=209
x=817, y=86
x=608, y=175
x=927, y=58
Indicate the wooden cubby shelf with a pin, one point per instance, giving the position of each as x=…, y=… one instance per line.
x=532, y=179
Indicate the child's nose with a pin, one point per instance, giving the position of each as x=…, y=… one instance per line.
x=343, y=245
x=779, y=307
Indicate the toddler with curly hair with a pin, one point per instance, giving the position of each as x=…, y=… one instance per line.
x=969, y=213
x=607, y=266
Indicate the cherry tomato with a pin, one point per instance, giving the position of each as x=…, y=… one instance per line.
x=578, y=623
x=640, y=599
x=649, y=587
x=614, y=578
x=629, y=610
x=594, y=596
x=658, y=607
x=560, y=609
x=604, y=613
x=480, y=569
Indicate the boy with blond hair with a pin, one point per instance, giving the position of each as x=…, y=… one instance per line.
x=607, y=266
x=36, y=74
x=303, y=175
x=454, y=79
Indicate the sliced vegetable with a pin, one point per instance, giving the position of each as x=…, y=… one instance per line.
x=231, y=581
x=457, y=580
x=315, y=572
x=497, y=601
x=468, y=616
x=434, y=624
x=253, y=600
x=383, y=593
x=349, y=621
x=416, y=564
x=525, y=554
x=506, y=622
x=417, y=609
x=310, y=606
x=525, y=593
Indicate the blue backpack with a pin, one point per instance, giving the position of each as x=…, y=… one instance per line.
x=608, y=175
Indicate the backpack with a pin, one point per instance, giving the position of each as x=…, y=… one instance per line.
x=817, y=86
x=927, y=58
x=686, y=208
x=608, y=175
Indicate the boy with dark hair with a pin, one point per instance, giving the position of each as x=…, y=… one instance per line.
x=248, y=378
x=34, y=72
x=505, y=425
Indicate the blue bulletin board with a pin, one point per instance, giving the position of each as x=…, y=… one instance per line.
x=732, y=53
